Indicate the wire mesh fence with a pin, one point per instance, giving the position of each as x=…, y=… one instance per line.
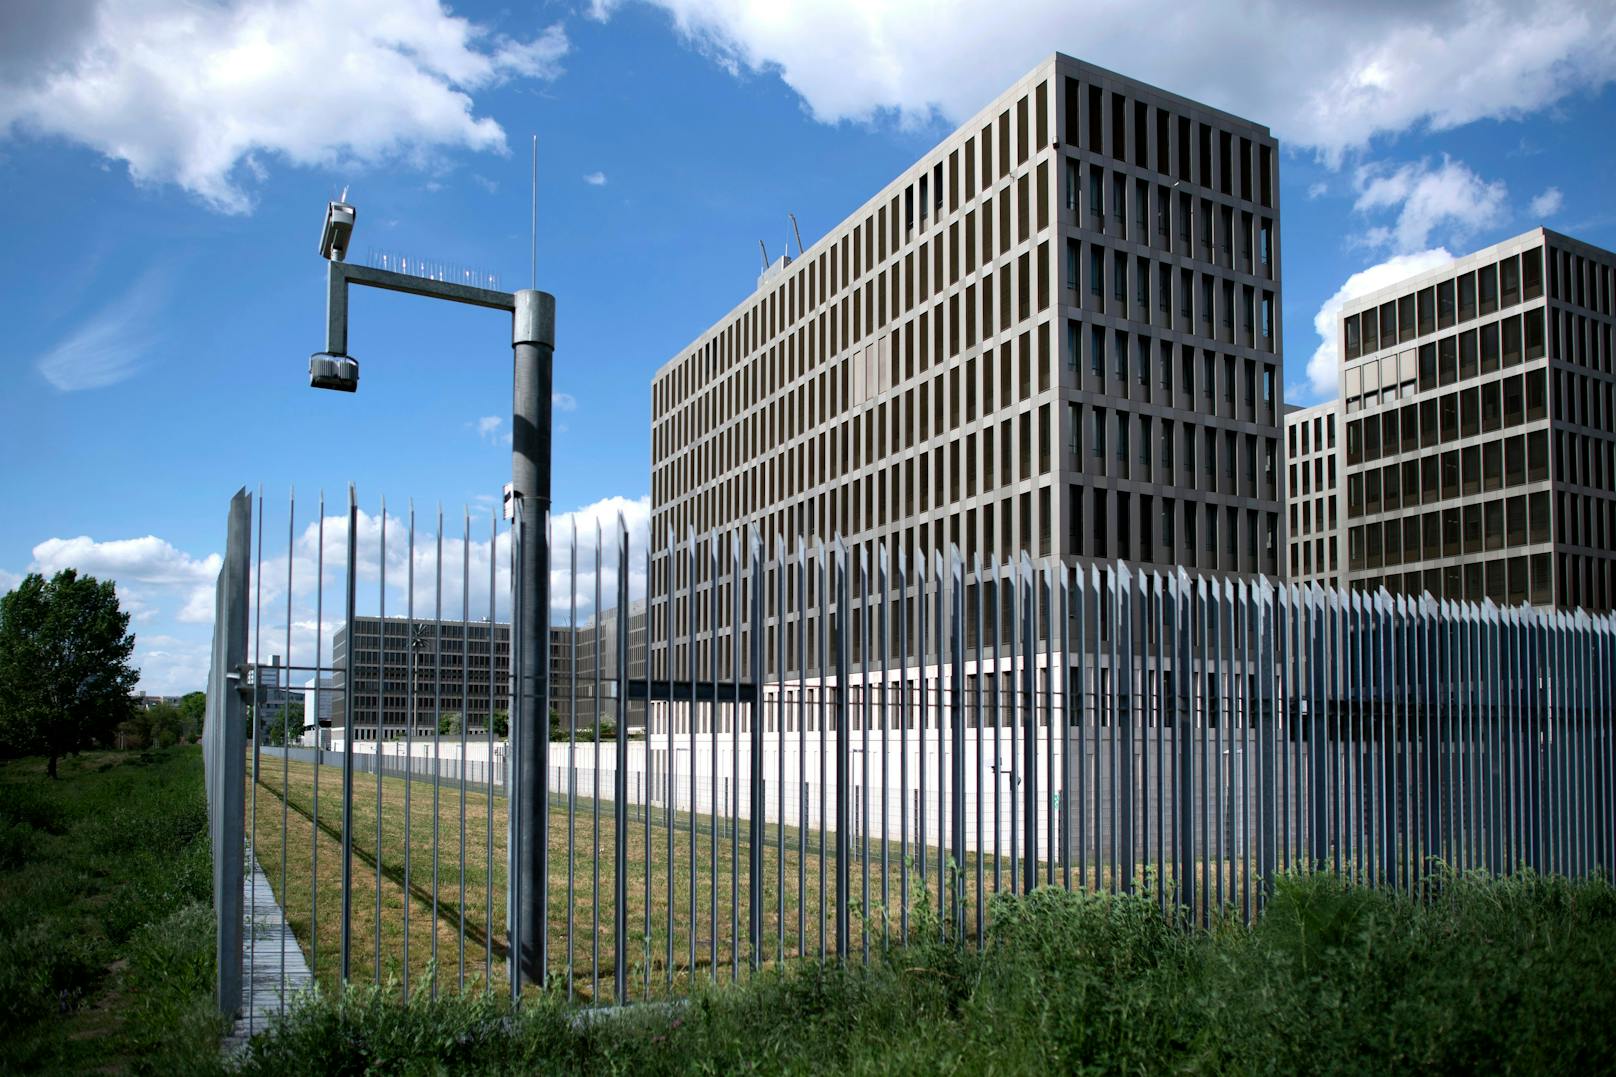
x=792, y=752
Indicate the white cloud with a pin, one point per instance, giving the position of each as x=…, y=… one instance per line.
x=109, y=347
x=152, y=575
x=8, y=581
x=1323, y=368
x=563, y=402
x=1546, y=204
x=595, y=179
x=635, y=514
x=1363, y=69
x=201, y=94
x=487, y=427
x=1449, y=198
x=1318, y=189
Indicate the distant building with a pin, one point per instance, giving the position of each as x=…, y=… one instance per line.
x=1313, y=494
x=1479, y=404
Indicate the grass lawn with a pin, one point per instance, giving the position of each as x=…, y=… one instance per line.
x=1474, y=976
x=713, y=876
x=106, y=931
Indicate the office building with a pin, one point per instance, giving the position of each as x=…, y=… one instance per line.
x=1313, y=494
x=1057, y=332
x=1479, y=428
x=455, y=681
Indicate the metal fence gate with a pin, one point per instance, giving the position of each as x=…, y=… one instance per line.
x=812, y=751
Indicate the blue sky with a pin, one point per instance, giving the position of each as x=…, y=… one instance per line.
x=164, y=169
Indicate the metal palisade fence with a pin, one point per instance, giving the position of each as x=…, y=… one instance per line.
x=814, y=750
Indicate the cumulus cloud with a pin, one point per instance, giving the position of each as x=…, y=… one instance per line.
x=563, y=402
x=595, y=179
x=1323, y=368
x=1546, y=204
x=1328, y=76
x=202, y=95
x=8, y=581
x=1449, y=197
x=487, y=427
x=1318, y=189
x=110, y=346
x=152, y=575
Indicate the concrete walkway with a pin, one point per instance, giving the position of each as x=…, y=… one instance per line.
x=268, y=943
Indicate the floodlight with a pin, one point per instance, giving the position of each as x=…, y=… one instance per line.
x=339, y=372
x=339, y=222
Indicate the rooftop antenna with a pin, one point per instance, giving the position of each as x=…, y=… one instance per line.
x=765, y=251
x=343, y=197
x=533, y=235
x=797, y=231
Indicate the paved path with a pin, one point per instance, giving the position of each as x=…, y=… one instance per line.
x=268, y=943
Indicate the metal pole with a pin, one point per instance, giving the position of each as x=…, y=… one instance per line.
x=533, y=348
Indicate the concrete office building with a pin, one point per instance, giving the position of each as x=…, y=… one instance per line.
x=1313, y=494
x=1057, y=332
x=1480, y=423
x=438, y=683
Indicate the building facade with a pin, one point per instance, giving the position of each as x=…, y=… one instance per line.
x=1057, y=332
x=1479, y=428
x=1313, y=494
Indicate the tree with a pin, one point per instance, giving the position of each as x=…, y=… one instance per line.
x=65, y=678
x=449, y=723
x=193, y=708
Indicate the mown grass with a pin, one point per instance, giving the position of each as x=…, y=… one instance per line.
x=106, y=936
x=721, y=871
x=1473, y=975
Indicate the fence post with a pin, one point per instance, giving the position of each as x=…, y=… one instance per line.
x=224, y=755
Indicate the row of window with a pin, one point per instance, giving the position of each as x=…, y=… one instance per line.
x=1508, y=581
x=1472, y=294
x=1500, y=523
x=1140, y=369
x=1457, y=357
x=1208, y=231
x=1316, y=514
x=1146, y=448
x=1148, y=136
x=1313, y=432
x=1436, y=477
x=1232, y=312
x=1485, y=409
x=1109, y=524
x=1315, y=475
x=1314, y=558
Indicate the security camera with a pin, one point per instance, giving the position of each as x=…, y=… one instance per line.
x=339, y=372
x=339, y=221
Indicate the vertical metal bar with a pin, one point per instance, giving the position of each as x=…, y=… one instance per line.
x=1185, y=617
x=319, y=735
x=735, y=757
x=594, y=855
x=1122, y=677
x=803, y=605
x=1080, y=751
x=1267, y=860
x=756, y=822
x=997, y=582
x=903, y=745
x=957, y=725
x=1111, y=631
x=381, y=694
x=865, y=697
x=691, y=673
x=572, y=753
x=620, y=793
x=488, y=793
x=437, y=739
x=257, y=752
x=650, y=705
x=1155, y=718
x=886, y=749
x=285, y=712
x=465, y=723
x=941, y=609
x=1064, y=806
x=981, y=586
x=410, y=660
x=1047, y=603
x=518, y=772
x=843, y=753
x=822, y=573
x=1013, y=698
x=781, y=567
x=923, y=581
